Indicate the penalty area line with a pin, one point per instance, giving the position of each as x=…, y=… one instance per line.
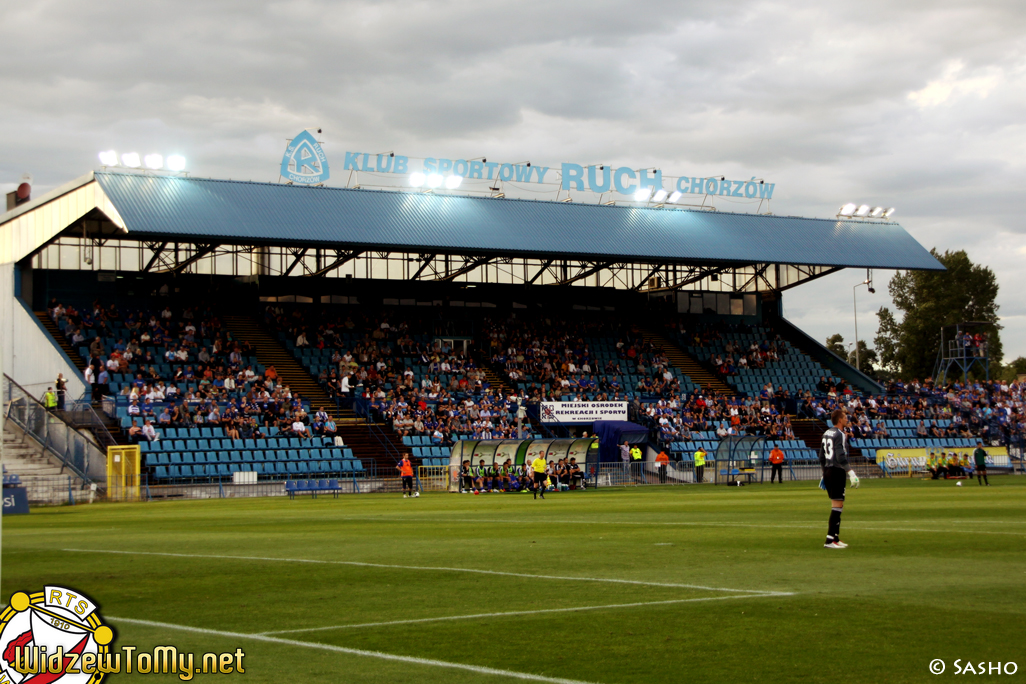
x=614, y=606
x=352, y=651
x=428, y=568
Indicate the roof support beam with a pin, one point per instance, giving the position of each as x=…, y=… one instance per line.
x=201, y=251
x=694, y=275
x=587, y=272
x=158, y=250
x=298, y=254
x=340, y=259
x=541, y=270
x=427, y=259
x=825, y=272
x=644, y=280
x=468, y=266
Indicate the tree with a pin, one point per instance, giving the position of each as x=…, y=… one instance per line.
x=867, y=358
x=929, y=300
x=1014, y=369
x=835, y=343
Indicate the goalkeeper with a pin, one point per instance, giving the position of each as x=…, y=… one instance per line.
x=833, y=457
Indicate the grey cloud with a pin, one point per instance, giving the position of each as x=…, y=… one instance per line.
x=812, y=96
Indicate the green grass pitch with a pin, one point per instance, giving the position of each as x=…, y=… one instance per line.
x=933, y=571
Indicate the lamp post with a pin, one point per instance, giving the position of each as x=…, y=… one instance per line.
x=868, y=282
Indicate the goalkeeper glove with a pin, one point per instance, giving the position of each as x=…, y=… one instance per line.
x=822, y=484
x=853, y=479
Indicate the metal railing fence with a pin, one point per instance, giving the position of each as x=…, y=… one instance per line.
x=74, y=450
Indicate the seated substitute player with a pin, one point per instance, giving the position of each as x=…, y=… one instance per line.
x=576, y=476
x=405, y=469
x=507, y=472
x=833, y=457
x=496, y=474
x=514, y=479
x=466, y=478
x=480, y=475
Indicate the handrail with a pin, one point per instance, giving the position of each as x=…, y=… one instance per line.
x=75, y=452
x=385, y=443
x=95, y=423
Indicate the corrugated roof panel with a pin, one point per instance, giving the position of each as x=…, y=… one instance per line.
x=274, y=213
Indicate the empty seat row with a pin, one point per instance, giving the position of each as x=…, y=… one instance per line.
x=220, y=444
x=176, y=458
x=351, y=467
x=428, y=452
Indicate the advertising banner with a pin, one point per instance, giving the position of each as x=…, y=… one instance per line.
x=15, y=501
x=914, y=460
x=582, y=411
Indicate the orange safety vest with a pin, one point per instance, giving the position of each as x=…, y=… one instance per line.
x=776, y=456
x=406, y=468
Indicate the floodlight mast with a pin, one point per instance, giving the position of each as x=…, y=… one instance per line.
x=855, y=310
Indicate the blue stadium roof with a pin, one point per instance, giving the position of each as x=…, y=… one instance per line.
x=195, y=209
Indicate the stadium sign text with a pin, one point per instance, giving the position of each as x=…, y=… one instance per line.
x=582, y=411
x=599, y=179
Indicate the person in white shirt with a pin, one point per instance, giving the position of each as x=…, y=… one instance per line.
x=149, y=432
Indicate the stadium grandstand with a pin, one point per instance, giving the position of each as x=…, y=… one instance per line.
x=296, y=332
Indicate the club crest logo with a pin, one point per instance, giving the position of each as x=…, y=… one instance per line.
x=304, y=161
x=54, y=635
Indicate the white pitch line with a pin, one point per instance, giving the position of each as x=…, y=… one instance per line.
x=762, y=592
x=810, y=526
x=613, y=606
x=354, y=651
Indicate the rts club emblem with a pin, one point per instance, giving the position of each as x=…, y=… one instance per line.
x=52, y=636
x=305, y=161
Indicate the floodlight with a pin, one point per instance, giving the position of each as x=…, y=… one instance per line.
x=153, y=161
x=109, y=158
x=660, y=195
x=453, y=182
x=642, y=195
x=176, y=162
x=877, y=212
x=863, y=211
x=131, y=159
x=417, y=179
x=887, y=214
x=674, y=197
x=434, y=180
x=848, y=209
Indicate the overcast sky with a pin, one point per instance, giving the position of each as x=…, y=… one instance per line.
x=917, y=105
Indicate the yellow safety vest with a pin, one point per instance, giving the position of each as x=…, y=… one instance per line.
x=50, y=400
x=700, y=457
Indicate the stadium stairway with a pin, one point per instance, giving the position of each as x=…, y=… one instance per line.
x=499, y=384
x=62, y=341
x=46, y=481
x=810, y=431
x=687, y=364
x=270, y=352
x=355, y=433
